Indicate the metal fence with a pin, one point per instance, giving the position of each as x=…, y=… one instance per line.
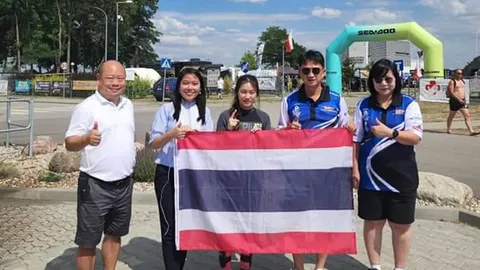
x=13, y=127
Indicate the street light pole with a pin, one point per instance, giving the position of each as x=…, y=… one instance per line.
x=116, y=43
x=106, y=31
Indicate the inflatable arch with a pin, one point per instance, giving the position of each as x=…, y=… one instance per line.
x=431, y=46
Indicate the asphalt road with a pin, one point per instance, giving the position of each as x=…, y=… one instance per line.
x=452, y=155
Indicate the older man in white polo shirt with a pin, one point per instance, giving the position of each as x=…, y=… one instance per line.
x=102, y=128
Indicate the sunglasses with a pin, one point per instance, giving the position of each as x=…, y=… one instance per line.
x=306, y=71
x=459, y=73
x=387, y=79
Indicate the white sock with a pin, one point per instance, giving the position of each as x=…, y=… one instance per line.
x=399, y=268
x=376, y=266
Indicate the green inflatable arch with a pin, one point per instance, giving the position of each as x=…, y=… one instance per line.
x=431, y=46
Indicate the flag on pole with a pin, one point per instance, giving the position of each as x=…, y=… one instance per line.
x=286, y=191
x=289, y=43
x=418, y=70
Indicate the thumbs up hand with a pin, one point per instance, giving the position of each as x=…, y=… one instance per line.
x=94, y=137
x=181, y=130
x=233, y=121
x=295, y=124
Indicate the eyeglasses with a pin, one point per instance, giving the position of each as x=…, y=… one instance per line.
x=387, y=79
x=306, y=71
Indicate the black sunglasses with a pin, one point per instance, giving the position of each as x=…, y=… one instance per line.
x=306, y=71
x=387, y=79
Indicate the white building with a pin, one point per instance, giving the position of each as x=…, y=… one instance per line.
x=392, y=50
x=358, y=51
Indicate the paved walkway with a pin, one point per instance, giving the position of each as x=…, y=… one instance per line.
x=38, y=235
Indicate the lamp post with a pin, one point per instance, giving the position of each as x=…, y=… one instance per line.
x=116, y=43
x=106, y=30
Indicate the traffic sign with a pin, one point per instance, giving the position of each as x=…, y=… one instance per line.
x=165, y=63
x=64, y=65
x=398, y=64
x=244, y=67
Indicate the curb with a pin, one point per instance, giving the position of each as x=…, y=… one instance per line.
x=433, y=213
x=66, y=195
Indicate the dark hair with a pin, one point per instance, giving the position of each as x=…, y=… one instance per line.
x=241, y=81
x=311, y=55
x=379, y=70
x=200, y=100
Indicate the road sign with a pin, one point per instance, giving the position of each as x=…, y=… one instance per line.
x=244, y=67
x=165, y=63
x=398, y=64
x=64, y=65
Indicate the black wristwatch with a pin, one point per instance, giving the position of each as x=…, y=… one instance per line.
x=394, y=134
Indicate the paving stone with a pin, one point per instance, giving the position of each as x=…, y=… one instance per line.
x=40, y=234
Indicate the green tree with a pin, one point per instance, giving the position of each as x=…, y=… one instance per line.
x=47, y=32
x=348, y=70
x=250, y=58
x=274, y=38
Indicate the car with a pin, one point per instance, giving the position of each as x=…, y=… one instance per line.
x=170, y=86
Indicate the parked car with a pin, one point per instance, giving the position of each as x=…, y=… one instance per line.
x=170, y=86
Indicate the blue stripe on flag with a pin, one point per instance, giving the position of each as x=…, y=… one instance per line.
x=266, y=191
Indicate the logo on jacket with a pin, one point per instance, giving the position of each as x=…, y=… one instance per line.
x=365, y=115
x=328, y=109
x=296, y=112
x=399, y=111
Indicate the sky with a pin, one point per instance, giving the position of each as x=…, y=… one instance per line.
x=222, y=30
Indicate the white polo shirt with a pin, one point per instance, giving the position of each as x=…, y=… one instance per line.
x=114, y=158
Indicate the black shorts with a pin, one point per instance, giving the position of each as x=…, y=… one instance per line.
x=380, y=205
x=455, y=105
x=102, y=207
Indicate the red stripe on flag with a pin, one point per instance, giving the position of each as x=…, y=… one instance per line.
x=292, y=242
x=267, y=139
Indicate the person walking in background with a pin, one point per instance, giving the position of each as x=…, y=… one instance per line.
x=389, y=125
x=313, y=106
x=102, y=128
x=242, y=116
x=186, y=113
x=457, y=102
x=220, y=87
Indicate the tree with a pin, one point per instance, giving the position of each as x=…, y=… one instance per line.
x=46, y=32
x=348, y=70
x=250, y=58
x=274, y=38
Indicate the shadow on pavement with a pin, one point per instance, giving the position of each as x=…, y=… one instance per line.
x=142, y=253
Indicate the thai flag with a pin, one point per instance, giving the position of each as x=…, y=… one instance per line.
x=265, y=192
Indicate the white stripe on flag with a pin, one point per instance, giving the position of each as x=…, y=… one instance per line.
x=272, y=222
x=276, y=159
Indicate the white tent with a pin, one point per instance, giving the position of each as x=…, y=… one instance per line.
x=146, y=74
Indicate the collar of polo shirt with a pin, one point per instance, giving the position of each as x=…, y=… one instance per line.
x=324, y=95
x=105, y=101
x=188, y=104
x=397, y=101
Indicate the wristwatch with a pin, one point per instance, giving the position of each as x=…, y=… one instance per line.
x=394, y=134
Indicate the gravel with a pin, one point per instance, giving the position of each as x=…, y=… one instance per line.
x=31, y=169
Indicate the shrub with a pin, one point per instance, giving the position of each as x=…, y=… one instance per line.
x=138, y=88
x=8, y=171
x=49, y=177
x=144, y=170
x=227, y=85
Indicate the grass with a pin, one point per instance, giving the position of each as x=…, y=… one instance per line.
x=438, y=112
x=49, y=177
x=144, y=170
x=8, y=171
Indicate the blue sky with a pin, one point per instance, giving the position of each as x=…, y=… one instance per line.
x=222, y=30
